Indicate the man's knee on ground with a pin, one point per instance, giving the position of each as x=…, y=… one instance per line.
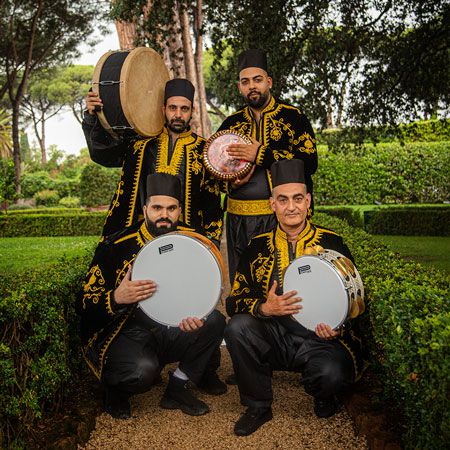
x=239, y=325
x=215, y=323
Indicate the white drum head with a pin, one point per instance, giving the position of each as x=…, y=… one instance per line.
x=188, y=278
x=323, y=293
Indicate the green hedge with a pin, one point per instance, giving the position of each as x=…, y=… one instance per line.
x=424, y=130
x=351, y=215
x=407, y=331
x=30, y=210
x=40, y=358
x=386, y=173
x=82, y=224
x=98, y=184
x=409, y=221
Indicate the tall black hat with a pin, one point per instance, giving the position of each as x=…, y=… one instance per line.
x=179, y=87
x=253, y=57
x=287, y=171
x=164, y=184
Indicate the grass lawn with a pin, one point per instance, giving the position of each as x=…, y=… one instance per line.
x=428, y=250
x=18, y=254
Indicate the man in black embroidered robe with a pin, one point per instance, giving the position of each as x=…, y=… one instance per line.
x=261, y=335
x=123, y=347
x=176, y=151
x=278, y=131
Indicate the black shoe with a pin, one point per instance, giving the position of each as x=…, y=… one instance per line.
x=211, y=384
x=116, y=404
x=252, y=420
x=325, y=407
x=178, y=396
x=231, y=379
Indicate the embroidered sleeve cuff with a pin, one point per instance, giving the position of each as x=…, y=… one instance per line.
x=112, y=306
x=260, y=155
x=256, y=310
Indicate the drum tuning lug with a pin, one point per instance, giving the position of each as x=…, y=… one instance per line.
x=121, y=127
x=108, y=82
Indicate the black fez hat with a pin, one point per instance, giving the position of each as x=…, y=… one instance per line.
x=163, y=184
x=287, y=171
x=253, y=57
x=179, y=87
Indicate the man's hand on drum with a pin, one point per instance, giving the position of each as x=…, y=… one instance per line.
x=247, y=152
x=129, y=291
x=280, y=305
x=190, y=324
x=93, y=100
x=241, y=181
x=324, y=331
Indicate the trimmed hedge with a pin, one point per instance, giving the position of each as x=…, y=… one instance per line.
x=409, y=221
x=352, y=216
x=30, y=210
x=82, y=224
x=407, y=331
x=383, y=174
x=40, y=358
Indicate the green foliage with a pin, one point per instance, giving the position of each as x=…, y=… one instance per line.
x=27, y=209
x=70, y=202
x=33, y=182
x=46, y=198
x=386, y=173
x=409, y=222
x=70, y=224
x=97, y=185
x=7, y=188
x=352, y=216
x=407, y=330
x=39, y=348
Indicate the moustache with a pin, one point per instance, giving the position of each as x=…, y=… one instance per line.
x=164, y=220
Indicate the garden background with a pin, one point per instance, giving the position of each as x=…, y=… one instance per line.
x=373, y=79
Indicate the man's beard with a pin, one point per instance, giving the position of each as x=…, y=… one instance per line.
x=159, y=231
x=177, y=125
x=259, y=102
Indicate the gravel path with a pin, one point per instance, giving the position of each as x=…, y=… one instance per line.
x=294, y=425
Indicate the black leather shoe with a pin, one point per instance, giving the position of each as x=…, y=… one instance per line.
x=251, y=420
x=325, y=407
x=116, y=404
x=211, y=384
x=178, y=396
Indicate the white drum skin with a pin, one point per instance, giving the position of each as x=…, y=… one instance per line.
x=187, y=275
x=322, y=290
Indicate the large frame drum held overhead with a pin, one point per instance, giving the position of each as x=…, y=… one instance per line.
x=131, y=86
x=189, y=272
x=330, y=287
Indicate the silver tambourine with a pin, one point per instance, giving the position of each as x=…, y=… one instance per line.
x=217, y=160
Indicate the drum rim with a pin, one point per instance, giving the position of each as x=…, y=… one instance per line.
x=339, y=278
x=225, y=177
x=180, y=233
x=95, y=88
x=124, y=74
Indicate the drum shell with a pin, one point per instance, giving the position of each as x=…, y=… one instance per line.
x=185, y=286
x=134, y=94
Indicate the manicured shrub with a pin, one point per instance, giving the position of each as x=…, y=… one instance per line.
x=46, y=198
x=81, y=224
x=70, y=202
x=34, y=182
x=406, y=329
x=352, y=216
x=97, y=185
x=420, y=221
x=385, y=174
x=27, y=209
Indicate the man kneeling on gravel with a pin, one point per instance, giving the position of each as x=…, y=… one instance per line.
x=262, y=336
x=126, y=349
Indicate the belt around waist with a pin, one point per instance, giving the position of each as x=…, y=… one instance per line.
x=248, y=207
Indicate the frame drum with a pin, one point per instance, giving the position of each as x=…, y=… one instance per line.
x=131, y=85
x=216, y=158
x=330, y=287
x=188, y=273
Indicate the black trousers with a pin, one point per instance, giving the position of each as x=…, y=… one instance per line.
x=260, y=346
x=240, y=229
x=143, y=347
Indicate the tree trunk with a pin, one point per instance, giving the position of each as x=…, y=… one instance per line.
x=42, y=142
x=126, y=31
x=16, y=143
x=189, y=62
x=198, y=23
x=329, y=115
